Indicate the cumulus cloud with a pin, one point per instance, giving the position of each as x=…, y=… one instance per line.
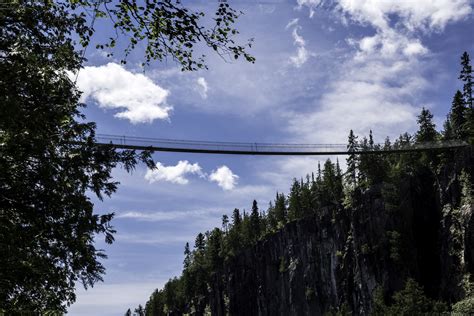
x=202, y=87
x=136, y=96
x=421, y=14
x=224, y=177
x=174, y=174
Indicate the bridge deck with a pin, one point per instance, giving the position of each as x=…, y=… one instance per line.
x=236, y=148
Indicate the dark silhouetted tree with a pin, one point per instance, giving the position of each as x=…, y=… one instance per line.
x=426, y=128
x=294, y=201
x=458, y=116
x=466, y=77
x=352, y=160
x=254, y=222
x=50, y=167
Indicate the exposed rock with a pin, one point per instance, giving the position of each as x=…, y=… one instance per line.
x=339, y=256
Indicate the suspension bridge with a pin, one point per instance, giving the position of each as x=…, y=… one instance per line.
x=276, y=149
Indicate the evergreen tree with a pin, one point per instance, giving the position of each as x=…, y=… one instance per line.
x=458, y=116
x=306, y=197
x=280, y=209
x=246, y=231
x=214, y=249
x=329, y=183
x=338, y=187
x=387, y=144
x=128, y=312
x=427, y=130
x=364, y=164
x=236, y=218
x=466, y=77
x=234, y=241
x=139, y=311
x=294, y=201
x=200, y=243
x=448, y=133
x=316, y=189
x=254, y=222
x=319, y=177
x=371, y=141
x=271, y=217
x=352, y=160
x=187, y=256
x=225, y=223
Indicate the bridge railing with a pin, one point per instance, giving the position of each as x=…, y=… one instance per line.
x=243, y=147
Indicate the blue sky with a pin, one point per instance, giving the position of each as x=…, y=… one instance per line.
x=322, y=68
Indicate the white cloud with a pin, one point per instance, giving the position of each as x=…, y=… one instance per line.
x=203, y=87
x=420, y=14
x=293, y=22
x=224, y=177
x=311, y=4
x=369, y=93
x=302, y=54
x=174, y=174
x=136, y=96
x=160, y=216
x=377, y=87
x=154, y=239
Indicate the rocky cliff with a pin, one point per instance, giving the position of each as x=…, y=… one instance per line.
x=420, y=226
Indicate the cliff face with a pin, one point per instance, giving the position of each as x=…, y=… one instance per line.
x=421, y=228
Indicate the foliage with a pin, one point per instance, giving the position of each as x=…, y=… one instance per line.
x=167, y=28
x=427, y=131
x=466, y=77
x=49, y=163
x=464, y=307
x=411, y=300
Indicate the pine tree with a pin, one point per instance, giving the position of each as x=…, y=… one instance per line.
x=225, y=223
x=448, y=129
x=466, y=77
x=187, y=256
x=236, y=218
x=294, y=201
x=254, y=222
x=352, y=160
x=214, y=249
x=139, y=311
x=364, y=164
x=338, y=187
x=319, y=177
x=427, y=129
x=280, y=209
x=128, y=312
x=458, y=116
x=200, y=243
x=271, y=217
x=371, y=141
x=306, y=197
x=329, y=182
